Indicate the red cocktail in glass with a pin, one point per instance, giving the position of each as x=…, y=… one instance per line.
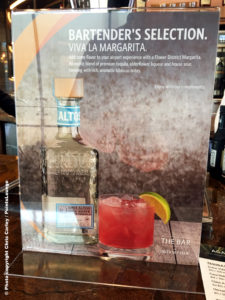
x=125, y=222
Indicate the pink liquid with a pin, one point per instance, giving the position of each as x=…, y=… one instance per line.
x=127, y=224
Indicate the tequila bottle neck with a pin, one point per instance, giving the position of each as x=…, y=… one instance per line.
x=64, y=132
x=69, y=132
x=68, y=117
x=68, y=101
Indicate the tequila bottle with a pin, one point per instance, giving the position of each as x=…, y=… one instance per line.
x=70, y=173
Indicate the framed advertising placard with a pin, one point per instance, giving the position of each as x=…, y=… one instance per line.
x=113, y=120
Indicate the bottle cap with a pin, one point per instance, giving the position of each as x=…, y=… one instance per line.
x=69, y=87
x=222, y=109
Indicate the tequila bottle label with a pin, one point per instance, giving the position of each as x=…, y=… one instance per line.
x=75, y=215
x=68, y=116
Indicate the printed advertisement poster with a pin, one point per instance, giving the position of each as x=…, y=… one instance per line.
x=113, y=121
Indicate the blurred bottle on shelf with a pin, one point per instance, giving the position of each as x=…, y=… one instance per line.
x=223, y=166
x=219, y=80
x=217, y=147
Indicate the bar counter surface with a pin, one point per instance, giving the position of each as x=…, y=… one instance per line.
x=185, y=279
